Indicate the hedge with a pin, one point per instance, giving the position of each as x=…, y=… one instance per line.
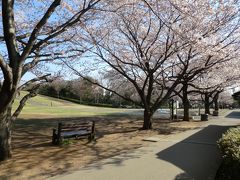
x=229, y=145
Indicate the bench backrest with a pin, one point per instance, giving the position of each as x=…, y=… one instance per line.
x=65, y=127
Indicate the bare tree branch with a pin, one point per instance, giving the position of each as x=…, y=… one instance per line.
x=37, y=29
x=34, y=80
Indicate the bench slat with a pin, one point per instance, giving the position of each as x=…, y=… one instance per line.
x=74, y=125
x=75, y=129
x=75, y=133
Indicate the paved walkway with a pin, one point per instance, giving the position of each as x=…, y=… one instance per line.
x=189, y=155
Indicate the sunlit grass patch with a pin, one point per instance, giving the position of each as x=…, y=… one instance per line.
x=43, y=106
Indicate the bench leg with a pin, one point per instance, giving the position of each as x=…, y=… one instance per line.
x=91, y=137
x=59, y=140
x=54, y=137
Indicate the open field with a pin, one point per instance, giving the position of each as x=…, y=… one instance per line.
x=117, y=131
x=47, y=107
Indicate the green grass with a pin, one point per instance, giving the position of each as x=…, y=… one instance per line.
x=48, y=107
x=43, y=106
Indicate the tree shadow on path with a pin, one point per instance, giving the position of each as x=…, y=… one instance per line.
x=198, y=155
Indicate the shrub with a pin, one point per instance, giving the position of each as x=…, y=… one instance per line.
x=229, y=145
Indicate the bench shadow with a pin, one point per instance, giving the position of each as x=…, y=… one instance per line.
x=198, y=155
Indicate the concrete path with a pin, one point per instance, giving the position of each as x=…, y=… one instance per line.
x=189, y=155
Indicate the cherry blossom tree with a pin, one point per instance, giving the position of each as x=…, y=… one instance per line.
x=226, y=99
x=211, y=31
x=208, y=81
x=33, y=33
x=58, y=84
x=158, y=45
x=85, y=90
x=138, y=46
x=215, y=81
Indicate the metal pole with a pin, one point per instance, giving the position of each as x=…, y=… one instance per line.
x=172, y=105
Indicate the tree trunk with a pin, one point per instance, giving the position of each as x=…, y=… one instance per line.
x=186, y=104
x=6, y=101
x=207, y=104
x=216, y=105
x=147, y=124
x=5, y=136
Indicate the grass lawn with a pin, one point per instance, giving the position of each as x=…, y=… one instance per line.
x=47, y=107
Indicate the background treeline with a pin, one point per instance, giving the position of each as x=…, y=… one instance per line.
x=82, y=91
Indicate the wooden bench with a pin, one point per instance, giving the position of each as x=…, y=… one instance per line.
x=73, y=130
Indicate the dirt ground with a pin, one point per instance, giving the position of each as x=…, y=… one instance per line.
x=34, y=157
